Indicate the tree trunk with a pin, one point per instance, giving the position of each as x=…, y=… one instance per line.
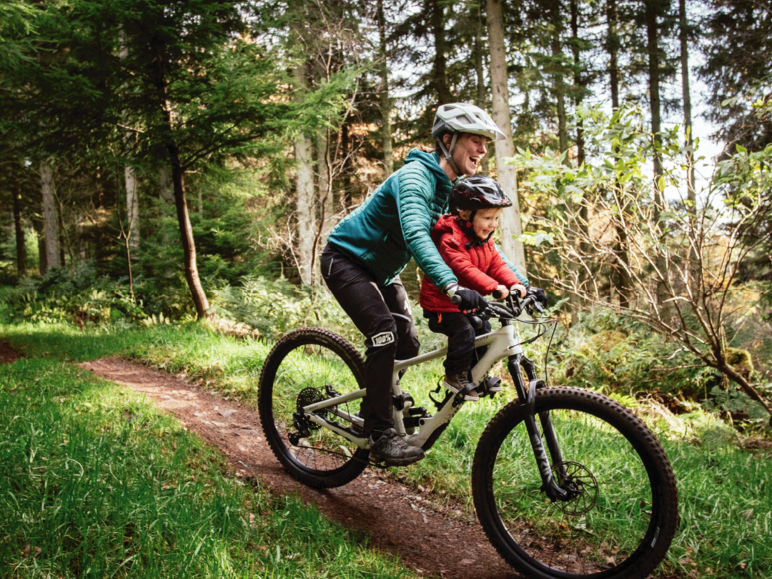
x=346, y=185
x=578, y=82
x=64, y=241
x=186, y=233
x=479, y=67
x=326, y=205
x=21, y=248
x=559, y=84
x=130, y=178
x=383, y=69
x=510, y=224
x=50, y=217
x=687, y=97
x=132, y=210
x=612, y=46
x=305, y=206
x=190, y=264
x=440, y=63
x=652, y=35
x=691, y=194
x=37, y=225
x=165, y=186
x=556, y=18
x=622, y=277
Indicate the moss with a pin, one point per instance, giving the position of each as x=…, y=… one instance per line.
x=740, y=360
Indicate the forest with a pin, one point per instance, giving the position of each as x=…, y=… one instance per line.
x=170, y=172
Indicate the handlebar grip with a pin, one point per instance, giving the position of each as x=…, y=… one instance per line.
x=496, y=294
x=455, y=299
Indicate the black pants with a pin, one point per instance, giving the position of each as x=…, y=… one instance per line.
x=382, y=314
x=461, y=333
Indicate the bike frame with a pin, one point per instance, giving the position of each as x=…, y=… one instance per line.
x=502, y=343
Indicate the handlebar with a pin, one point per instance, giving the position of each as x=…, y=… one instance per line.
x=510, y=309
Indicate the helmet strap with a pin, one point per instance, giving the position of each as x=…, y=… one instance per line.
x=446, y=153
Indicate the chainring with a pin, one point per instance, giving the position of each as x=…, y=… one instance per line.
x=580, y=484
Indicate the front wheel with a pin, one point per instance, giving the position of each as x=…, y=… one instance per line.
x=621, y=509
x=304, y=367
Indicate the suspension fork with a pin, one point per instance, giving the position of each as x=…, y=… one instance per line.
x=548, y=429
x=528, y=399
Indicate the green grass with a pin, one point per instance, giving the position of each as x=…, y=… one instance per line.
x=725, y=492
x=96, y=483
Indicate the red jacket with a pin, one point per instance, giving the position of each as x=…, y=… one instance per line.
x=478, y=267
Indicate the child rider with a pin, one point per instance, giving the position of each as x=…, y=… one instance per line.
x=463, y=239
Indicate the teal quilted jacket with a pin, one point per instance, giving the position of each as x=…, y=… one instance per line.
x=395, y=223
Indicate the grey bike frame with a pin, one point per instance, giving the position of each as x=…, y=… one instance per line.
x=502, y=343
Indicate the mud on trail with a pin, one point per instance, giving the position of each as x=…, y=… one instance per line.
x=426, y=536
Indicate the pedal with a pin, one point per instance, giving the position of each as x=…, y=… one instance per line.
x=490, y=385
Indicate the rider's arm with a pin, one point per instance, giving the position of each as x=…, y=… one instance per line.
x=415, y=195
x=520, y=276
x=501, y=272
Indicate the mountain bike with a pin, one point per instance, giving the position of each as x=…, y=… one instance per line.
x=567, y=483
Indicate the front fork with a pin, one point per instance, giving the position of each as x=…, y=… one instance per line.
x=528, y=399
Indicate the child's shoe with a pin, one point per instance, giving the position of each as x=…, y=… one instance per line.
x=460, y=384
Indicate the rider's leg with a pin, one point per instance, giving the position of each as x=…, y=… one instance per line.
x=396, y=299
x=358, y=294
x=460, y=332
x=366, y=304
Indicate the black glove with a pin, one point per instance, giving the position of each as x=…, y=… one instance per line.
x=539, y=295
x=467, y=300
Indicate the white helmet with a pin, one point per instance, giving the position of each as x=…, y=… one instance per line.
x=457, y=118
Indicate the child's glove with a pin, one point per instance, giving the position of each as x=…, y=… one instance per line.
x=466, y=299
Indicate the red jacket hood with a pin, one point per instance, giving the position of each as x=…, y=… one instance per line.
x=451, y=224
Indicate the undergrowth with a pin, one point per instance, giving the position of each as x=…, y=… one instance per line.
x=726, y=499
x=97, y=483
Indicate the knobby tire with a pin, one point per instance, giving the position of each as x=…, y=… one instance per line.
x=543, y=542
x=282, y=377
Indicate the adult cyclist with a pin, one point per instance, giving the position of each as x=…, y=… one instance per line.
x=368, y=249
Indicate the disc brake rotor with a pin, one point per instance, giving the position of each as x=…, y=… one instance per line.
x=580, y=485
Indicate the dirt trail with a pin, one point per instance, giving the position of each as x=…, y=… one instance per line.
x=7, y=353
x=399, y=520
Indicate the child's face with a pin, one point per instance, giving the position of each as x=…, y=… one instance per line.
x=486, y=221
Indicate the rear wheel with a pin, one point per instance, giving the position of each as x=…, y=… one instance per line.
x=307, y=366
x=622, y=507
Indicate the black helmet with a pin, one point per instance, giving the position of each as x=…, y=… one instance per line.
x=477, y=192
